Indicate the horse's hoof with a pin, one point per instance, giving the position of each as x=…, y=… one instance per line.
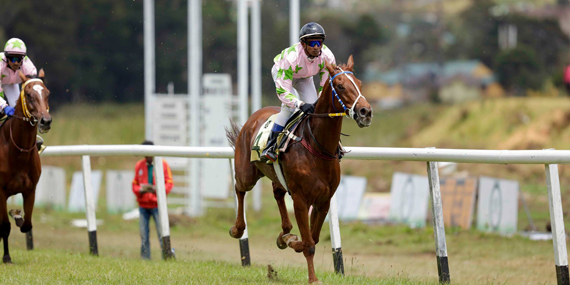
x=17, y=216
x=7, y=260
x=280, y=243
x=234, y=236
x=25, y=229
x=289, y=238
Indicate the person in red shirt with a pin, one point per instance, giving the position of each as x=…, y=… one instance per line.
x=144, y=187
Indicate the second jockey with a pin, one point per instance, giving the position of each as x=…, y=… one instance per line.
x=12, y=60
x=293, y=73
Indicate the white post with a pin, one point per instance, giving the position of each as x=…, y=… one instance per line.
x=557, y=224
x=89, y=205
x=149, y=66
x=438, y=225
x=294, y=21
x=255, y=55
x=162, y=209
x=242, y=61
x=335, y=236
x=194, y=91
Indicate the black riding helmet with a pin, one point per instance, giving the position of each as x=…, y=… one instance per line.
x=311, y=29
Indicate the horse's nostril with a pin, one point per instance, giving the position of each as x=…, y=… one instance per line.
x=363, y=112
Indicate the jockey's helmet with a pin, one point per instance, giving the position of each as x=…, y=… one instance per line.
x=15, y=46
x=312, y=29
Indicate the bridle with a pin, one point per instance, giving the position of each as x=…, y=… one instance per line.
x=28, y=117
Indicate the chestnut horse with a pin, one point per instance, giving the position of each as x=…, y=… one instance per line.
x=311, y=168
x=20, y=165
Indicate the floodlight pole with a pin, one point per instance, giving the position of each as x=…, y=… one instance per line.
x=149, y=61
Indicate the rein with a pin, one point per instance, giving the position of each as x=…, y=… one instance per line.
x=321, y=153
x=19, y=148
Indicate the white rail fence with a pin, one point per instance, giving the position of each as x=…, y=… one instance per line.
x=550, y=158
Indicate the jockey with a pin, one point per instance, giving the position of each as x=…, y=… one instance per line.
x=12, y=60
x=293, y=73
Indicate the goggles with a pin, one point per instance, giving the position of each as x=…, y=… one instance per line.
x=314, y=43
x=14, y=58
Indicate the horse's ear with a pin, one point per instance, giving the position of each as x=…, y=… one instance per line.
x=22, y=76
x=350, y=63
x=329, y=67
x=41, y=74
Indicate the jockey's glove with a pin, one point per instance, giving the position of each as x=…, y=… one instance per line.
x=8, y=110
x=307, y=108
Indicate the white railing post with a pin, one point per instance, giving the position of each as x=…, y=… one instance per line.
x=162, y=209
x=438, y=226
x=557, y=224
x=89, y=205
x=335, y=236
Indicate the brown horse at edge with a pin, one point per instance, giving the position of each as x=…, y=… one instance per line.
x=312, y=180
x=20, y=166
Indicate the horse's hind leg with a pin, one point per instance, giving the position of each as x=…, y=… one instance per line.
x=286, y=225
x=246, y=176
x=4, y=228
x=28, y=211
x=16, y=214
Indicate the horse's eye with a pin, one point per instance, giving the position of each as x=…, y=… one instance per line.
x=340, y=86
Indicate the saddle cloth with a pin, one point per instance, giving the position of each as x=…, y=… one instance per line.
x=283, y=139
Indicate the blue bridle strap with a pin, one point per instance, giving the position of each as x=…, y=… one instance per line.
x=334, y=91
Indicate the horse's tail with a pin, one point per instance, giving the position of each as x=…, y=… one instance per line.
x=232, y=133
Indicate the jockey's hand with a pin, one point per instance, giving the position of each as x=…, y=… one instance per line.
x=8, y=110
x=307, y=108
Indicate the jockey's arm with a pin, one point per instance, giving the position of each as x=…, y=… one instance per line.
x=324, y=72
x=284, y=86
x=28, y=68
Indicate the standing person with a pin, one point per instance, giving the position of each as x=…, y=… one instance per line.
x=567, y=78
x=293, y=73
x=144, y=187
x=13, y=60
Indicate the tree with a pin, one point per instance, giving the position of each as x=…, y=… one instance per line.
x=518, y=69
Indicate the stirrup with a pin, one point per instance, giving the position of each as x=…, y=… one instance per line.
x=41, y=149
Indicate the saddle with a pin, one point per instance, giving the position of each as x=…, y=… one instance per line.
x=285, y=138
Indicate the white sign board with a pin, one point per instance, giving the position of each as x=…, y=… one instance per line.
x=50, y=190
x=410, y=194
x=77, y=192
x=349, y=196
x=215, y=114
x=497, y=209
x=120, y=197
x=170, y=120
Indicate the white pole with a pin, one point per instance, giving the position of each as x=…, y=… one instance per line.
x=89, y=205
x=256, y=79
x=294, y=22
x=149, y=66
x=194, y=90
x=255, y=55
x=242, y=61
x=438, y=224
x=335, y=236
x=557, y=223
x=162, y=209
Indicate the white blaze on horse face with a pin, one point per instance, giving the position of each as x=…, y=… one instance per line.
x=38, y=89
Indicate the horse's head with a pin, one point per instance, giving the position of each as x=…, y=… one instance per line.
x=346, y=88
x=33, y=102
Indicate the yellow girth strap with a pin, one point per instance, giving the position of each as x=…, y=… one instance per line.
x=23, y=98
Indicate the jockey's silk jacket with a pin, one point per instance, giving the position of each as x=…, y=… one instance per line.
x=148, y=200
x=9, y=76
x=293, y=63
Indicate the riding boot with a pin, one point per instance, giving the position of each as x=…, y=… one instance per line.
x=40, y=144
x=268, y=155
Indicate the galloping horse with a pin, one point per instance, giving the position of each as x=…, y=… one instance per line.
x=311, y=168
x=20, y=165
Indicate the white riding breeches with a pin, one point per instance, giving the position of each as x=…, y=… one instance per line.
x=303, y=88
x=12, y=92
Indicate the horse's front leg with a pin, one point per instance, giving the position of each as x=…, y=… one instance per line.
x=306, y=245
x=29, y=200
x=279, y=195
x=4, y=227
x=318, y=216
